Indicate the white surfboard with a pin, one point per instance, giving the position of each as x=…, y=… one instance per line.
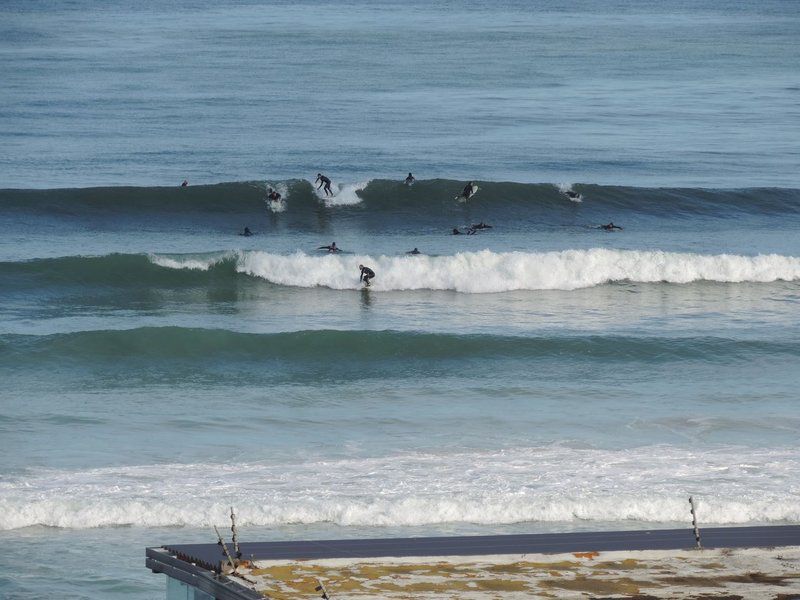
x=474, y=191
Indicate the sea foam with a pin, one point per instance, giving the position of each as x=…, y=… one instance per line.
x=344, y=194
x=541, y=484
x=487, y=271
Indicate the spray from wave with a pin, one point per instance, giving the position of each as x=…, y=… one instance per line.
x=277, y=206
x=344, y=194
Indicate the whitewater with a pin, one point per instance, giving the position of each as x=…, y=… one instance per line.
x=487, y=271
x=543, y=484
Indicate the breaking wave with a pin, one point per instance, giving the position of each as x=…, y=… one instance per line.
x=468, y=272
x=487, y=271
x=556, y=483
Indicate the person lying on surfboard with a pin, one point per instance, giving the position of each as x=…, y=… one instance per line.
x=610, y=227
x=273, y=195
x=331, y=248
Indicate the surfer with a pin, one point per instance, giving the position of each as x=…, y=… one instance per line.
x=414, y=251
x=332, y=248
x=273, y=195
x=610, y=227
x=366, y=275
x=481, y=225
x=468, y=191
x=324, y=181
x=573, y=195
x=246, y=232
x=410, y=179
x=185, y=183
x=456, y=231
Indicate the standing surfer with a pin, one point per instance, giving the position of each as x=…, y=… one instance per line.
x=324, y=181
x=366, y=275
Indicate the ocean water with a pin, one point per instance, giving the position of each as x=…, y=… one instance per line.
x=540, y=375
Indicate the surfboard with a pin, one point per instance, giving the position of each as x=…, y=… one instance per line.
x=461, y=198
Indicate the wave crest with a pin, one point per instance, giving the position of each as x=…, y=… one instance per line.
x=424, y=200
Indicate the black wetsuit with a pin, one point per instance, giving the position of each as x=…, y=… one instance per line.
x=324, y=181
x=274, y=196
x=366, y=275
x=467, y=191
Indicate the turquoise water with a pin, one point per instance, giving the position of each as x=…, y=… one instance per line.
x=540, y=375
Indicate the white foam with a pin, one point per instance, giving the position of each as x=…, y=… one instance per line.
x=278, y=206
x=550, y=483
x=567, y=187
x=343, y=195
x=486, y=271
x=202, y=263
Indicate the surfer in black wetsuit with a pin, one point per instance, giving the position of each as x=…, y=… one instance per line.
x=573, y=195
x=456, y=231
x=467, y=193
x=366, y=274
x=410, y=179
x=185, y=183
x=273, y=195
x=481, y=225
x=324, y=181
x=246, y=232
x=332, y=248
x=414, y=251
x=610, y=227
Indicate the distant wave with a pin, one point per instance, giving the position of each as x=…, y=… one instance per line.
x=541, y=484
x=467, y=272
x=156, y=344
x=423, y=199
x=112, y=270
